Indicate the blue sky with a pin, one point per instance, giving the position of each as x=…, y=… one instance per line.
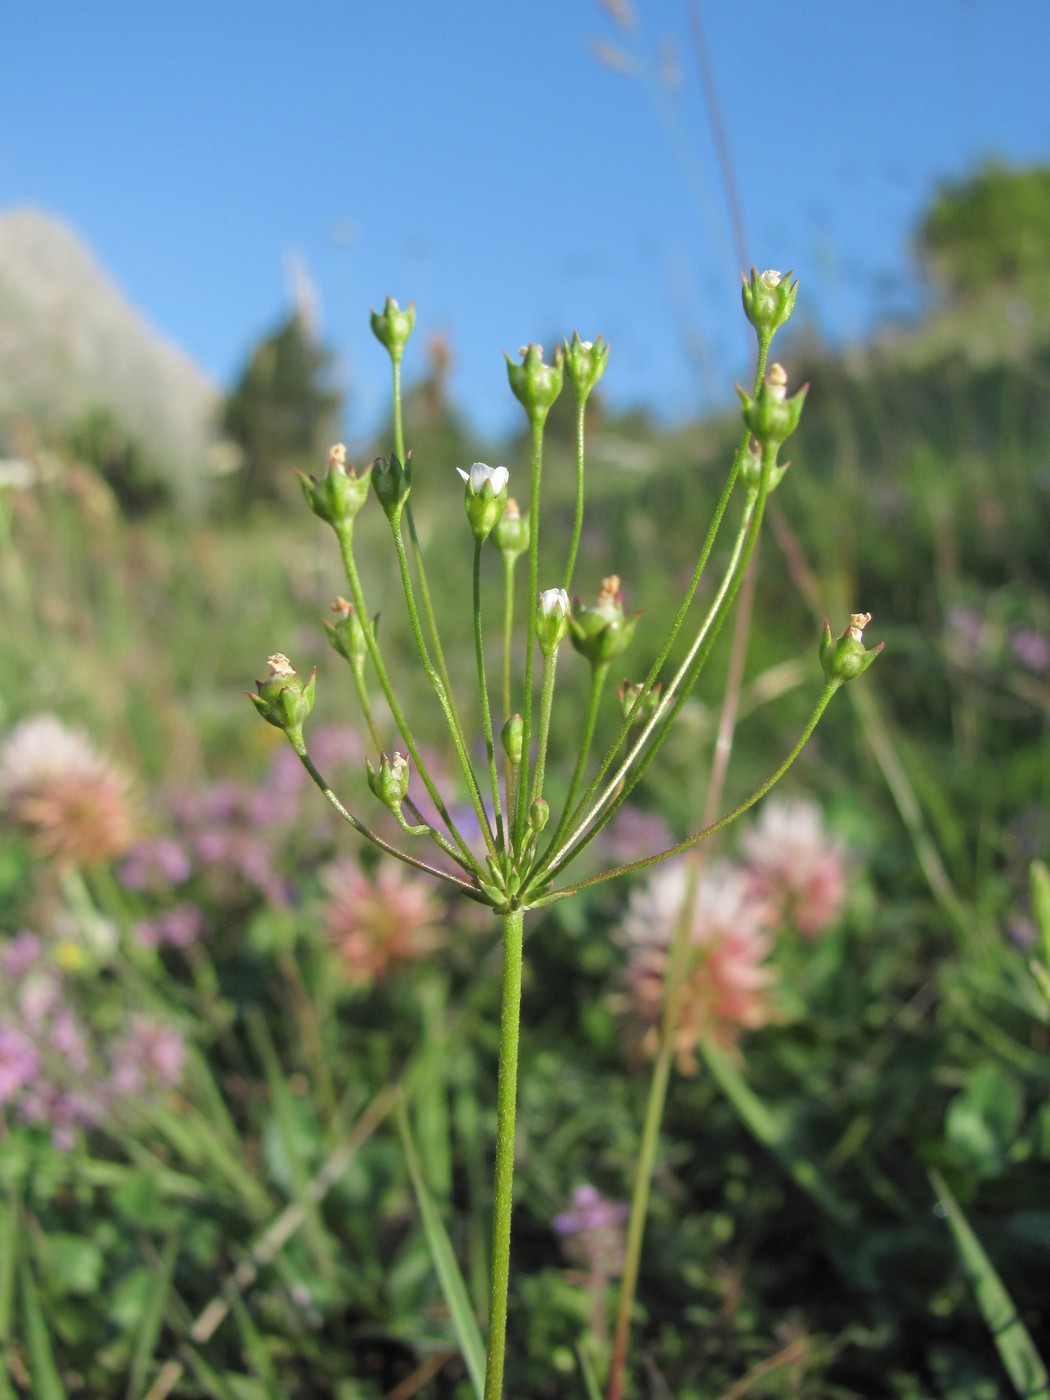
x=482, y=160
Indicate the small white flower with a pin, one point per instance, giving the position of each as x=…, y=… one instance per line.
x=554, y=602
x=480, y=473
x=771, y=278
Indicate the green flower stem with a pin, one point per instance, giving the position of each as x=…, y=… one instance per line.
x=345, y=535
x=440, y=690
x=577, y=521
x=417, y=553
x=483, y=691
x=587, y=826
x=304, y=758
x=683, y=607
x=709, y=830
x=534, y=593
x=509, y=561
x=550, y=666
x=639, y=1210
x=599, y=674
x=510, y=772
x=366, y=707
x=506, y=1103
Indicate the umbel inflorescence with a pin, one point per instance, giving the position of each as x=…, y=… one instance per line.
x=525, y=851
x=527, y=842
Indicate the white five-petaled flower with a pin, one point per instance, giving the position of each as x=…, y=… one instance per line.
x=480, y=473
x=554, y=602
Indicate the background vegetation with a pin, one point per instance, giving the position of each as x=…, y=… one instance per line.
x=800, y=1253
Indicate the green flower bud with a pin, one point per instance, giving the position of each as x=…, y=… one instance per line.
x=511, y=736
x=539, y=814
x=341, y=493
x=769, y=299
x=512, y=531
x=347, y=635
x=393, y=326
x=485, y=497
x=751, y=468
x=602, y=632
x=643, y=713
x=845, y=656
x=535, y=384
x=585, y=363
x=390, y=784
x=392, y=483
x=552, y=619
x=284, y=699
x=771, y=415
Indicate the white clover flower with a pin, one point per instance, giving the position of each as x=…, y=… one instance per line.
x=480, y=473
x=554, y=602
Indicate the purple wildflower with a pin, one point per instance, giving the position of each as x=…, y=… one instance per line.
x=155, y=865
x=177, y=928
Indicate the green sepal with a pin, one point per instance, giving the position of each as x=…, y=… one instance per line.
x=604, y=631
x=512, y=738
x=485, y=497
x=390, y=783
x=751, y=468
x=771, y=416
x=511, y=534
x=629, y=693
x=340, y=493
x=585, y=363
x=536, y=385
x=284, y=699
x=347, y=635
x=845, y=657
x=552, y=619
x=392, y=326
x=769, y=299
x=392, y=483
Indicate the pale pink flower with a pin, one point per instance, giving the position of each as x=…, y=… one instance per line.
x=795, y=865
x=377, y=922
x=72, y=801
x=727, y=983
x=149, y=1055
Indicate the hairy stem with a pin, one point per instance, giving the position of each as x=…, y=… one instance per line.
x=506, y=1105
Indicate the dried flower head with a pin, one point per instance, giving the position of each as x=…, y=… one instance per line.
x=71, y=800
x=378, y=922
x=795, y=866
x=728, y=984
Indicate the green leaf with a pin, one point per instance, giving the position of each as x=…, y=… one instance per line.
x=47, y=1383
x=74, y=1264
x=1019, y=1356
x=983, y=1121
x=155, y=1303
x=464, y=1320
x=9, y=1221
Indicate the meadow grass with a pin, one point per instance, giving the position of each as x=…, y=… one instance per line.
x=257, y=1231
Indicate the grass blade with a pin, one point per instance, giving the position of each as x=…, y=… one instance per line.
x=464, y=1321
x=153, y=1317
x=1014, y=1345
x=590, y=1376
x=47, y=1383
x=770, y=1130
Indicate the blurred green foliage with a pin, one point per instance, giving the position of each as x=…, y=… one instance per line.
x=989, y=230
x=283, y=412
x=911, y=1036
